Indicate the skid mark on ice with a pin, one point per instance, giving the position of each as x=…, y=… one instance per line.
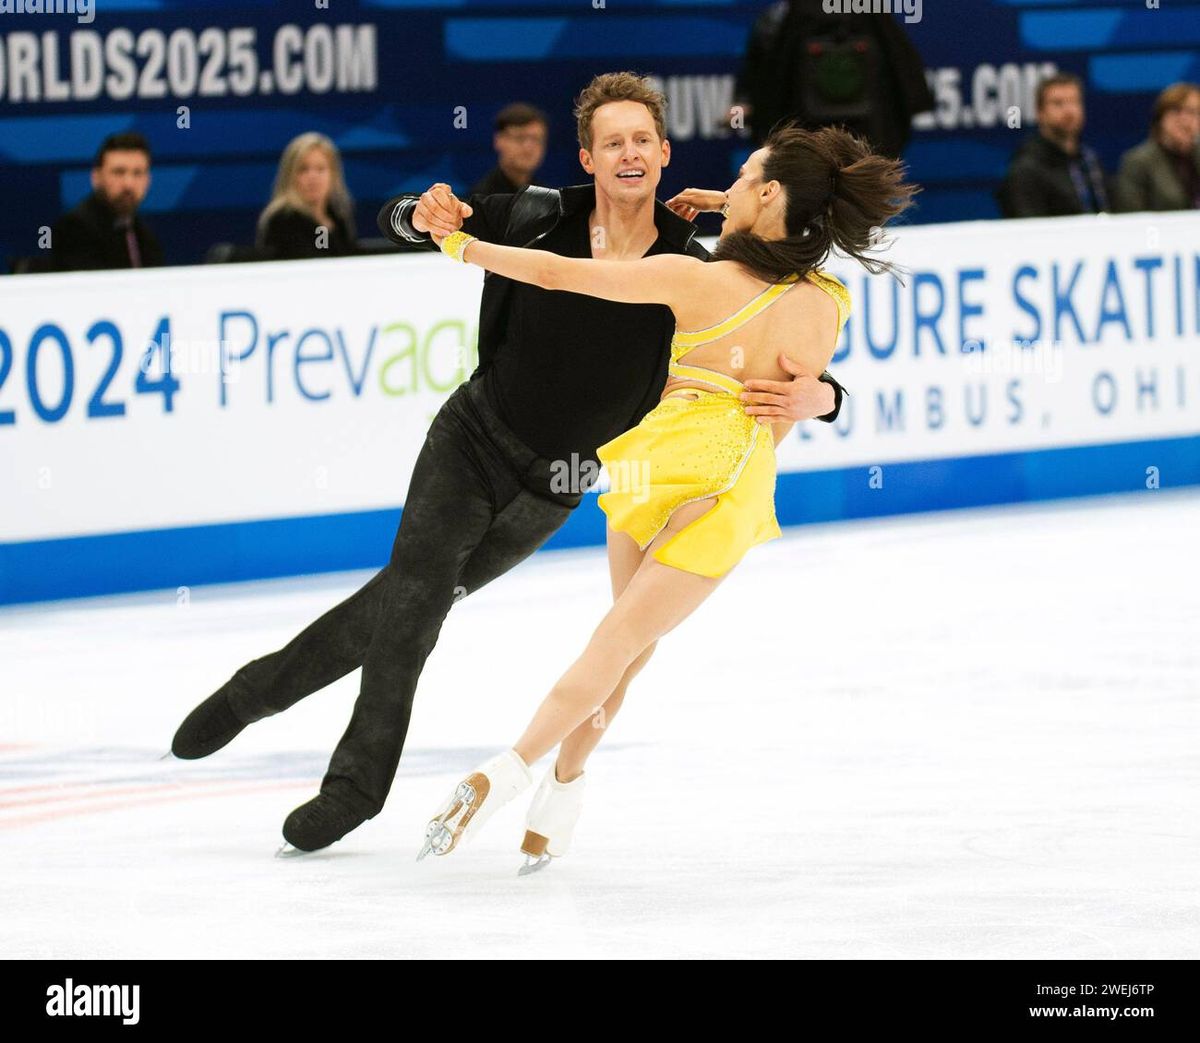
x=92, y=781
x=83, y=791
x=13, y=822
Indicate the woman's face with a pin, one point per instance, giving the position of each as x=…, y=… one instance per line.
x=1180, y=128
x=745, y=195
x=314, y=177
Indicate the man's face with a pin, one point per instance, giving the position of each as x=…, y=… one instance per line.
x=521, y=148
x=1061, y=114
x=1180, y=128
x=627, y=155
x=123, y=179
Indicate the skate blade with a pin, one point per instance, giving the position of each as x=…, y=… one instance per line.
x=466, y=799
x=533, y=865
x=436, y=832
x=287, y=851
x=426, y=848
x=167, y=756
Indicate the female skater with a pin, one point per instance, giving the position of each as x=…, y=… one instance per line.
x=692, y=486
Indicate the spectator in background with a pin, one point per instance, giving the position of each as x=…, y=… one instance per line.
x=822, y=68
x=105, y=231
x=1163, y=173
x=310, y=213
x=520, y=144
x=1053, y=173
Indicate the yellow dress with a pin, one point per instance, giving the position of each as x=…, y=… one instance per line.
x=687, y=449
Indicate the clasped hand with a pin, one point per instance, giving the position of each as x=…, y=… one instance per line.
x=439, y=212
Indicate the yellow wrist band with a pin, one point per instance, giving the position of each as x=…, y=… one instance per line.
x=455, y=243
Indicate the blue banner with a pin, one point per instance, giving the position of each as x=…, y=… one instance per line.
x=218, y=88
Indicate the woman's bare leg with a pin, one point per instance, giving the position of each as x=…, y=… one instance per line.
x=656, y=600
x=624, y=558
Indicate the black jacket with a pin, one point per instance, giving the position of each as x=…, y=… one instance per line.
x=88, y=238
x=495, y=180
x=520, y=219
x=291, y=235
x=1039, y=181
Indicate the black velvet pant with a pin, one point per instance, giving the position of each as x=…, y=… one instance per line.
x=471, y=514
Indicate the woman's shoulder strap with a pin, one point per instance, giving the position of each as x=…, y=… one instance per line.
x=837, y=290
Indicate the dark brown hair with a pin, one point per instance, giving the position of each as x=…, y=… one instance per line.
x=1172, y=98
x=1058, y=79
x=618, y=86
x=126, y=141
x=519, y=114
x=838, y=195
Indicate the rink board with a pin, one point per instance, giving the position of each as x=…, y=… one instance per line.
x=1018, y=361
x=180, y=558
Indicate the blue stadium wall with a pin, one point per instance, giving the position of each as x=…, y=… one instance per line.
x=386, y=78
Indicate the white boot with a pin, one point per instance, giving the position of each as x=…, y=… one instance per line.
x=555, y=809
x=474, y=800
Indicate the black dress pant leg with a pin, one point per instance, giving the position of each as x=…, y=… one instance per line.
x=467, y=520
x=335, y=644
x=450, y=507
x=324, y=651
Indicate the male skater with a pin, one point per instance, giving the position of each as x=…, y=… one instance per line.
x=559, y=374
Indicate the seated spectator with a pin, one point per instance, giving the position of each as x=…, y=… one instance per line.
x=1053, y=173
x=105, y=231
x=520, y=144
x=1163, y=172
x=310, y=213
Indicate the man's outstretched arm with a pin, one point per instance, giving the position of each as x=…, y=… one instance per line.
x=408, y=219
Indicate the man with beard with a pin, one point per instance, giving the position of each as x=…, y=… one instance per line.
x=1053, y=173
x=105, y=231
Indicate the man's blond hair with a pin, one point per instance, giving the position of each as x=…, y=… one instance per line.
x=618, y=86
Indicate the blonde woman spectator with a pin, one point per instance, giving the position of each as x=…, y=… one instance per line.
x=1163, y=173
x=310, y=213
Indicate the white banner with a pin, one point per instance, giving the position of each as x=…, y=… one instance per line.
x=305, y=388
x=1017, y=335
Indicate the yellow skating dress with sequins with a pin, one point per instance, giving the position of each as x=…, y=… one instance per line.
x=698, y=443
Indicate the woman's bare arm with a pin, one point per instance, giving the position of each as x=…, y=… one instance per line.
x=668, y=279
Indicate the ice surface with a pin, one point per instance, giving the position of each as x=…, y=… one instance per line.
x=971, y=734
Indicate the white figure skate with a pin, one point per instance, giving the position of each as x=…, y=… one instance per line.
x=473, y=801
x=551, y=820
